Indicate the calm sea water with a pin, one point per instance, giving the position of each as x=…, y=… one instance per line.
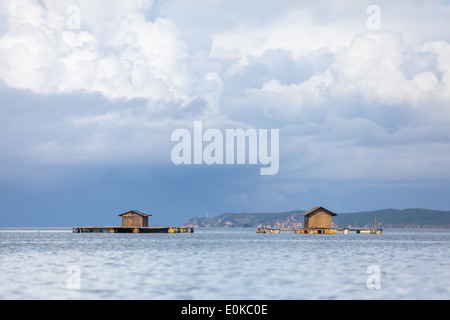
x=221, y=264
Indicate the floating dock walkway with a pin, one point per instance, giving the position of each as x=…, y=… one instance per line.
x=321, y=230
x=132, y=230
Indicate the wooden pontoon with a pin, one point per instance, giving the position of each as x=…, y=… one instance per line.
x=133, y=221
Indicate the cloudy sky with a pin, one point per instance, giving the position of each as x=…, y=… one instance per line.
x=90, y=92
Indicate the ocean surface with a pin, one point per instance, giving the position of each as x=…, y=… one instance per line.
x=224, y=264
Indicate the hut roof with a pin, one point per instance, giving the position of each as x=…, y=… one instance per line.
x=307, y=213
x=136, y=212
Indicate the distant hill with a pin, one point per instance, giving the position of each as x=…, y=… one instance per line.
x=250, y=220
x=387, y=218
x=392, y=218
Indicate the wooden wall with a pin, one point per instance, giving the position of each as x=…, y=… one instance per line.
x=318, y=219
x=135, y=220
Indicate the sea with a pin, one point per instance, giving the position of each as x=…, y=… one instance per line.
x=224, y=264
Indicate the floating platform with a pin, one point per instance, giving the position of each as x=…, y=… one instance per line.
x=132, y=230
x=320, y=231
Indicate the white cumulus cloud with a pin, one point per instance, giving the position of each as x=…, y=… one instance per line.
x=116, y=51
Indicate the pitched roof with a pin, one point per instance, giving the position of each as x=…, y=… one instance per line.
x=137, y=212
x=311, y=211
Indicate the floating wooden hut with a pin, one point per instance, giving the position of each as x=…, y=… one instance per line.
x=133, y=221
x=319, y=220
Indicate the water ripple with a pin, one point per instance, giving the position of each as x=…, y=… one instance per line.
x=224, y=264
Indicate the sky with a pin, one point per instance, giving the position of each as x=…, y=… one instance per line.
x=91, y=91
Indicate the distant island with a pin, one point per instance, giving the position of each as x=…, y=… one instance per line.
x=387, y=218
